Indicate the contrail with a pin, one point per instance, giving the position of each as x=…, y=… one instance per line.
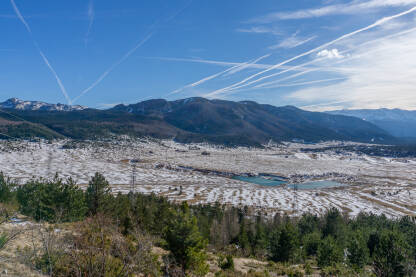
x=19, y=15
x=371, y=26
x=214, y=62
x=112, y=67
x=220, y=63
x=58, y=80
x=308, y=70
x=56, y=77
x=143, y=41
x=238, y=89
x=235, y=68
x=212, y=94
x=91, y=16
x=247, y=65
x=342, y=53
x=203, y=80
x=179, y=11
x=269, y=84
x=317, y=60
x=295, y=84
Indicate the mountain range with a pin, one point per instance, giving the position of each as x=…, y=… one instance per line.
x=189, y=120
x=15, y=103
x=399, y=123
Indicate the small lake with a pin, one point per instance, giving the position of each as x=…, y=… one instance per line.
x=277, y=181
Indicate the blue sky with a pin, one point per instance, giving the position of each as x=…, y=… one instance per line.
x=319, y=55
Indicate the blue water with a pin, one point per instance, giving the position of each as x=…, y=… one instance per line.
x=261, y=181
x=276, y=181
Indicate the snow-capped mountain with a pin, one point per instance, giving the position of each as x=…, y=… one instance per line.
x=15, y=103
x=400, y=123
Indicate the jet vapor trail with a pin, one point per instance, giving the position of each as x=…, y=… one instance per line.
x=338, y=62
x=56, y=77
x=295, y=84
x=371, y=26
x=234, y=69
x=58, y=80
x=143, y=41
x=91, y=16
x=112, y=67
x=19, y=15
x=220, y=63
x=292, y=68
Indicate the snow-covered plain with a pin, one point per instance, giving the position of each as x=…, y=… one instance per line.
x=181, y=172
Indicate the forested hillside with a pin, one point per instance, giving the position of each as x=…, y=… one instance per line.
x=192, y=120
x=115, y=235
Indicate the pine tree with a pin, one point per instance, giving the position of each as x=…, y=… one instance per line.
x=185, y=242
x=357, y=252
x=390, y=255
x=98, y=192
x=311, y=243
x=284, y=244
x=333, y=224
x=329, y=253
x=5, y=189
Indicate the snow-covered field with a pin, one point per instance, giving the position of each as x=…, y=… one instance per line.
x=183, y=172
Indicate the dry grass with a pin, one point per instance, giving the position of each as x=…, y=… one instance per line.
x=386, y=205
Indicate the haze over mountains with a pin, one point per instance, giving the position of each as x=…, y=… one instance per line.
x=399, y=123
x=187, y=120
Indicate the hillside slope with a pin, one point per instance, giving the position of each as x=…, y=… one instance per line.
x=198, y=120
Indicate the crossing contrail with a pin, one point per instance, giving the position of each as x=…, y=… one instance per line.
x=234, y=69
x=58, y=80
x=303, y=65
x=112, y=67
x=371, y=26
x=45, y=59
x=129, y=53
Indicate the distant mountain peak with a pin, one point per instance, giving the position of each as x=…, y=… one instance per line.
x=400, y=123
x=17, y=104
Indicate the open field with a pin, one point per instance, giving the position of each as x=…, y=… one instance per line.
x=202, y=173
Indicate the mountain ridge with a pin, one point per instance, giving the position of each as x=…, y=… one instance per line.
x=198, y=119
x=15, y=103
x=398, y=122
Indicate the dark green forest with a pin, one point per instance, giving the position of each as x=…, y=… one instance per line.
x=113, y=235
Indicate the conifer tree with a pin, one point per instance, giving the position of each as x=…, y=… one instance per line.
x=390, y=255
x=284, y=245
x=98, y=192
x=357, y=252
x=185, y=242
x=329, y=253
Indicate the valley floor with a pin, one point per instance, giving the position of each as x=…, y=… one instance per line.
x=201, y=173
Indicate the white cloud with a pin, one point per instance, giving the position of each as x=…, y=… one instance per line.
x=245, y=82
x=330, y=54
x=382, y=74
x=354, y=7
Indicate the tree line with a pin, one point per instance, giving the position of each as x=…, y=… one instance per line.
x=115, y=235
